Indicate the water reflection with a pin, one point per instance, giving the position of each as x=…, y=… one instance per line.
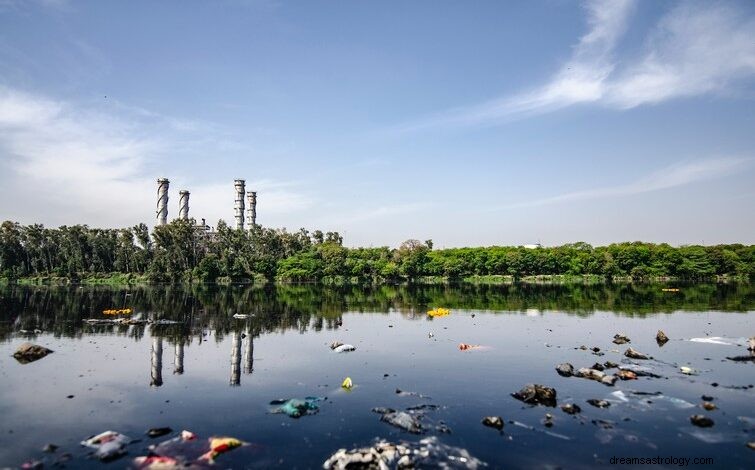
x=157, y=362
x=194, y=310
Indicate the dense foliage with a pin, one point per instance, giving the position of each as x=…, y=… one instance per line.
x=179, y=252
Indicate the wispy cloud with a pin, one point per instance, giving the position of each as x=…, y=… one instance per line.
x=696, y=48
x=66, y=164
x=680, y=174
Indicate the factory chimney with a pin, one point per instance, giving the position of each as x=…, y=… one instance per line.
x=239, y=205
x=162, y=201
x=183, y=204
x=251, y=218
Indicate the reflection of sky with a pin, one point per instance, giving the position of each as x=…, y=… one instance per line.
x=522, y=349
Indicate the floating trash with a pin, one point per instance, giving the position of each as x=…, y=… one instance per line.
x=295, y=407
x=427, y=453
x=347, y=383
x=108, y=445
x=118, y=311
x=439, y=312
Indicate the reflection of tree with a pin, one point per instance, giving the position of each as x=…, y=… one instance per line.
x=62, y=310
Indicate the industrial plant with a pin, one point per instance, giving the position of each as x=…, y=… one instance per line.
x=239, y=207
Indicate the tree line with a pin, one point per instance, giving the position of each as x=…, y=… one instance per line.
x=179, y=251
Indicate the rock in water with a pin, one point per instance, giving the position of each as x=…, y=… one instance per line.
x=661, y=338
x=535, y=394
x=571, y=408
x=565, y=369
x=631, y=353
x=625, y=374
x=157, y=432
x=493, y=422
x=621, y=338
x=599, y=403
x=28, y=352
x=701, y=421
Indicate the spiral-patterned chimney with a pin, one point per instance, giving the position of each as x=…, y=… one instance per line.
x=162, y=201
x=239, y=203
x=251, y=218
x=183, y=204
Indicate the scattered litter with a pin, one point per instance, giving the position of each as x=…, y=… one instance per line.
x=404, y=393
x=548, y=420
x=570, y=408
x=670, y=289
x=751, y=445
x=565, y=369
x=640, y=399
x=599, y=403
x=640, y=371
x=708, y=406
x=344, y=348
x=295, y=407
x=107, y=445
x=621, y=338
x=187, y=451
x=439, y=312
x=532, y=428
x=347, y=383
x=157, y=432
x=661, y=338
x=535, y=394
x=400, y=419
x=163, y=322
x=427, y=453
x=115, y=311
x=687, y=370
x=466, y=347
x=720, y=340
x=29, y=352
x=221, y=445
x=631, y=353
x=241, y=316
x=493, y=422
x=701, y=421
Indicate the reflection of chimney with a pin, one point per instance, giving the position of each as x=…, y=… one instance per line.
x=157, y=362
x=162, y=201
x=248, y=354
x=251, y=218
x=178, y=361
x=236, y=359
x=239, y=203
x=183, y=204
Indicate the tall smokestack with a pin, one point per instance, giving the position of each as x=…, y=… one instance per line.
x=251, y=218
x=239, y=206
x=183, y=204
x=162, y=201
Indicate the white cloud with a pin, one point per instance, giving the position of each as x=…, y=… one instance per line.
x=64, y=165
x=680, y=174
x=696, y=48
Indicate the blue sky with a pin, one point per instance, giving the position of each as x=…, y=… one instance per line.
x=471, y=123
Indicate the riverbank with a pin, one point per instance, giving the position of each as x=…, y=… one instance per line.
x=119, y=279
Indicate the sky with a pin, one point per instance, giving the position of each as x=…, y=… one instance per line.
x=468, y=123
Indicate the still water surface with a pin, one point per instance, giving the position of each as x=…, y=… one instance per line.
x=215, y=374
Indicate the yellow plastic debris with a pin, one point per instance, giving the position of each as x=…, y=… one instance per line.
x=347, y=383
x=439, y=312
